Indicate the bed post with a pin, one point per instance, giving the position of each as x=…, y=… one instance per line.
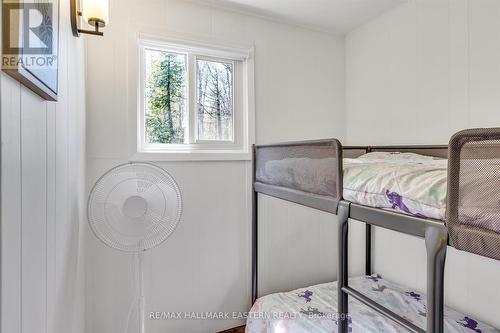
x=368, y=249
x=343, y=269
x=368, y=240
x=254, y=229
x=436, y=240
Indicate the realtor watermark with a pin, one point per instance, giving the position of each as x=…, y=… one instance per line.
x=29, y=34
x=305, y=314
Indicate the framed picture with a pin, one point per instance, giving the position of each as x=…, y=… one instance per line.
x=30, y=44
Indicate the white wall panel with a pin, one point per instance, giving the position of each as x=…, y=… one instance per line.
x=205, y=265
x=42, y=177
x=34, y=216
x=424, y=71
x=484, y=53
x=11, y=205
x=298, y=246
x=51, y=180
x=420, y=73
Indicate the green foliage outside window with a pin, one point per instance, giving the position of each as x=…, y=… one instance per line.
x=166, y=98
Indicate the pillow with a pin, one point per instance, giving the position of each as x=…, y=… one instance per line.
x=380, y=155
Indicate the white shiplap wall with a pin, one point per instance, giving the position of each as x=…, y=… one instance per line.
x=424, y=71
x=298, y=246
x=416, y=75
x=42, y=175
x=205, y=264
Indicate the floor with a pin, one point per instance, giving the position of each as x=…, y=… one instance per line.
x=240, y=329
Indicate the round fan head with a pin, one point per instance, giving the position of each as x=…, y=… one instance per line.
x=134, y=207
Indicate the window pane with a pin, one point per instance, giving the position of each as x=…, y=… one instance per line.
x=165, y=95
x=215, y=100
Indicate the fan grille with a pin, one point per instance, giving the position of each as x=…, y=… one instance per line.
x=134, y=207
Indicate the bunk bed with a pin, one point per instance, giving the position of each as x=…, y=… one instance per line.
x=324, y=175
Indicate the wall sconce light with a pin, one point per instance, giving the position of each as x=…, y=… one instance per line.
x=94, y=12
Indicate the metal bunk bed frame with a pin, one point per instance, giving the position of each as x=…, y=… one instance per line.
x=434, y=232
x=436, y=239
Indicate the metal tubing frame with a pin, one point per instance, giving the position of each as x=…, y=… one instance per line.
x=255, y=230
x=435, y=234
x=343, y=266
x=436, y=242
x=382, y=310
x=368, y=249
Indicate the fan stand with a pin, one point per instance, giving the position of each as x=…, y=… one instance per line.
x=121, y=191
x=135, y=207
x=142, y=298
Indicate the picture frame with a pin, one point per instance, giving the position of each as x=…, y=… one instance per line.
x=31, y=44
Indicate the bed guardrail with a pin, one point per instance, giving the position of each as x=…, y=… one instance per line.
x=473, y=202
x=307, y=172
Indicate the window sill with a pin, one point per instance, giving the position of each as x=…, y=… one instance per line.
x=192, y=155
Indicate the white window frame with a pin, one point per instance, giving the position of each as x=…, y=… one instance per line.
x=243, y=102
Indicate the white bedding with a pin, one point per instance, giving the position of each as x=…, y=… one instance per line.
x=405, y=182
x=409, y=183
x=313, y=310
x=417, y=185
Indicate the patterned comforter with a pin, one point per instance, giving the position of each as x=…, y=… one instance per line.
x=409, y=183
x=314, y=309
x=405, y=182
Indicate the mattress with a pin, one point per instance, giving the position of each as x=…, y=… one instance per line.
x=408, y=183
x=314, y=309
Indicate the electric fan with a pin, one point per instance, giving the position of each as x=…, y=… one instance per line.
x=133, y=208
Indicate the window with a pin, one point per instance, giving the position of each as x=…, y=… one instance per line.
x=215, y=100
x=165, y=97
x=193, y=99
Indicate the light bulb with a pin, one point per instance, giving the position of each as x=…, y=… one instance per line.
x=96, y=12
